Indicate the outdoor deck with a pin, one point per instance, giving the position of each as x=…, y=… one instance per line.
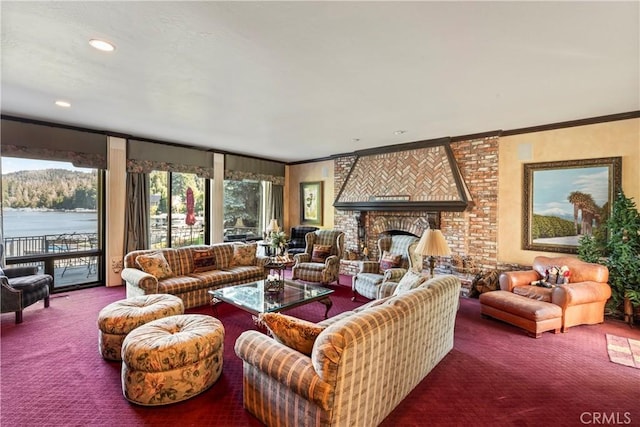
x=71, y=258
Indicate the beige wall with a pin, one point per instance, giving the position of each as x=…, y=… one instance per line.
x=611, y=139
x=309, y=172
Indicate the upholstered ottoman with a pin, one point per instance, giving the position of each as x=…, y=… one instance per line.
x=119, y=318
x=532, y=315
x=172, y=359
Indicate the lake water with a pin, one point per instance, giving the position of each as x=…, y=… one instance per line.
x=22, y=223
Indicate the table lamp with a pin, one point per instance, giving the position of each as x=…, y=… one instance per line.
x=432, y=244
x=273, y=227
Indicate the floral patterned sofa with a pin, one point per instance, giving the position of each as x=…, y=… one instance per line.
x=189, y=272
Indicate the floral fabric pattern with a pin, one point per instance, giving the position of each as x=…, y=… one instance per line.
x=148, y=166
x=244, y=254
x=119, y=318
x=155, y=264
x=295, y=333
x=172, y=359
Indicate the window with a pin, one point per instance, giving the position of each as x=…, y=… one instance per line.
x=177, y=204
x=51, y=217
x=242, y=210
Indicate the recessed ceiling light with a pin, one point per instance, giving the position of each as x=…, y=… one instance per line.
x=400, y=132
x=64, y=104
x=102, y=45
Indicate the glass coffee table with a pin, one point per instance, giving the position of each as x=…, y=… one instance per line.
x=253, y=298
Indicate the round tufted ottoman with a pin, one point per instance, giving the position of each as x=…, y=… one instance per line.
x=119, y=318
x=172, y=359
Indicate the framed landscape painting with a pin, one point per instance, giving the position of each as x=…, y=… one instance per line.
x=311, y=203
x=565, y=200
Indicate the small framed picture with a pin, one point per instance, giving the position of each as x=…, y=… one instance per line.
x=311, y=203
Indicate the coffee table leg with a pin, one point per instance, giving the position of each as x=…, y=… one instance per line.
x=214, y=302
x=328, y=303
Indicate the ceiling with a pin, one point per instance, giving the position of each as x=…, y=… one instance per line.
x=296, y=81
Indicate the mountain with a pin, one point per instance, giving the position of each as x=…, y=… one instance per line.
x=50, y=189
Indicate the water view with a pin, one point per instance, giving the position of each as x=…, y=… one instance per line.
x=24, y=222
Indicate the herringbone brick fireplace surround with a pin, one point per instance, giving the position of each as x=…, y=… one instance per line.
x=471, y=234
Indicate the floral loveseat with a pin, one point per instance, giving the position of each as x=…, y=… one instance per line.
x=189, y=272
x=362, y=364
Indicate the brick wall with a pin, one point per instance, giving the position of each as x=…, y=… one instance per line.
x=345, y=220
x=473, y=233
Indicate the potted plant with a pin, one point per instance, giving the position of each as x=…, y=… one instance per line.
x=278, y=241
x=617, y=245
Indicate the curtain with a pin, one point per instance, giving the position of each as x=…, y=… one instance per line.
x=277, y=204
x=266, y=202
x=272, y=204
x=136, y=221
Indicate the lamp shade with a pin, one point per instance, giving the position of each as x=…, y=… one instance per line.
x=273, y=226
x=433, y=243
x=239, y=223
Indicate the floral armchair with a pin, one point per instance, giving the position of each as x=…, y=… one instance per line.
x=320, y=262
x=396, y=256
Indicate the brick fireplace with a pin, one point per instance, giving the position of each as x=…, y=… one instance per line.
x=471, y=234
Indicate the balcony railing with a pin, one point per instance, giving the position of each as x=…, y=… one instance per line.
x=72, y=254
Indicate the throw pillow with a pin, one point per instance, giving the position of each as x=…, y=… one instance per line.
x=484, y=282
x=557, y=275
x=244, y=254
x=295, y=333
x=320, y=253
x=409, y=281
x=203, y=260
x=389, y=260
x=565, y=274
x=155, y=264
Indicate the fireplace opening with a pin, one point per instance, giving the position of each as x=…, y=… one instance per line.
x=397, y=233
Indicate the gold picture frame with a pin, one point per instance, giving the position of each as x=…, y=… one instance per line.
x=564, y=200
x=311, y=203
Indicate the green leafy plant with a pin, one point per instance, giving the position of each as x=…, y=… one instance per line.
x=616, y=244
x=623, y=248
x=278, y=239
x=590, y=249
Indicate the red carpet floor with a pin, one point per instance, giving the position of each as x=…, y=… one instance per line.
x=51, y=373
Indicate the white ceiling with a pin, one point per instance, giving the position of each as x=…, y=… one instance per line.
x=302, y=80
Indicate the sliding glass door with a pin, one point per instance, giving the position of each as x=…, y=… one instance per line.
x=52, y=218
x=178, y=209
